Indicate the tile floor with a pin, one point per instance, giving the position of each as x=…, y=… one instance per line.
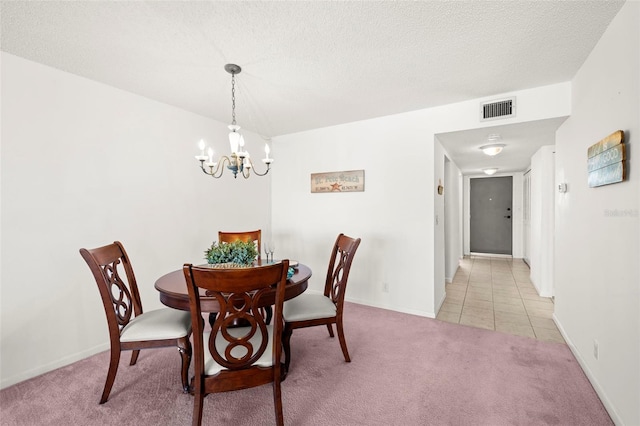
x=495, y=293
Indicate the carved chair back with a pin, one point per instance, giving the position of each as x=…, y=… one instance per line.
x=240, y=293
x=117, y=284
x=342, y=256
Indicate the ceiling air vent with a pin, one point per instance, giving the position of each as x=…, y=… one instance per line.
x=495, y=110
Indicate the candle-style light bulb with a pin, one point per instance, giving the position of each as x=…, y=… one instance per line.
x=210, y=152
x=267, y=160
x=201, y=145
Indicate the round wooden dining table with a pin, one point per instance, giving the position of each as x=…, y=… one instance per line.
x=173, y=289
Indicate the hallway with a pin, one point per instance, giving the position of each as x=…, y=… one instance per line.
x=496, y=294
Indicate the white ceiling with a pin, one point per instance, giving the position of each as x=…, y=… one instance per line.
x=313, y=64
x=521, y=142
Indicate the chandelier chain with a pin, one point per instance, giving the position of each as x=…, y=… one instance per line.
x=233, y=98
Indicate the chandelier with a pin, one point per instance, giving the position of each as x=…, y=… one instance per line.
x=239, y=162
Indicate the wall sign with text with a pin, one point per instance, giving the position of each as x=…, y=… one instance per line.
x=350, y=181
x=606, y=160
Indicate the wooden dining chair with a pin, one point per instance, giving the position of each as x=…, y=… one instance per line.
x=309, y=310
x=229, y=357
x=129, y=327
x=246, y=236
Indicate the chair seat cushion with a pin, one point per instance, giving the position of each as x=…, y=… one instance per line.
x=308, y=306
x=211, y=367
x=165, y=323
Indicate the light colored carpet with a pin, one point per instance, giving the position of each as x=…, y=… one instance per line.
x=405, y=370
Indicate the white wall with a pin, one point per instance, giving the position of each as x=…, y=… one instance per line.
x=84, y=164
x=597, y=276
x=543, y=193
x=453, y=219
x=439, y=259
x=395, y=215
x=389, y=215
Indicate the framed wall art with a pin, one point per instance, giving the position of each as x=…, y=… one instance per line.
x=347, y=181
x=606, y=161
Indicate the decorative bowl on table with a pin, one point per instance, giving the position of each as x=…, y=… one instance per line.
x=228, y=265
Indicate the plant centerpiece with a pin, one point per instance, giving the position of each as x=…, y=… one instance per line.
x=237, y=253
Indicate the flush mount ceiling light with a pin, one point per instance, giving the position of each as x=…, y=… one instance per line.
x=490, y=171
x=493, y=148
x=239, y=162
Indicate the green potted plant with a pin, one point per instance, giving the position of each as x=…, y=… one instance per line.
x=238, y=253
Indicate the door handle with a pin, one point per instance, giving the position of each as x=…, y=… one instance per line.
x=508, y=217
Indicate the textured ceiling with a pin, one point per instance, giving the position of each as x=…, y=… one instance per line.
x=309, y=64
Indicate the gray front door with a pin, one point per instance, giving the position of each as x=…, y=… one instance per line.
x=491, y=215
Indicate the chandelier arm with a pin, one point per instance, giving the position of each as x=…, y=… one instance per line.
x=219, y=168
x=256, y=172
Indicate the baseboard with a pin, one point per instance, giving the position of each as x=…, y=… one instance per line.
x=590, y=376
x=439, y=304
x=504, y=256
x=391, y=308
x=382, y=306
x=449, y=280
x=540, y=292
x=53, y=365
